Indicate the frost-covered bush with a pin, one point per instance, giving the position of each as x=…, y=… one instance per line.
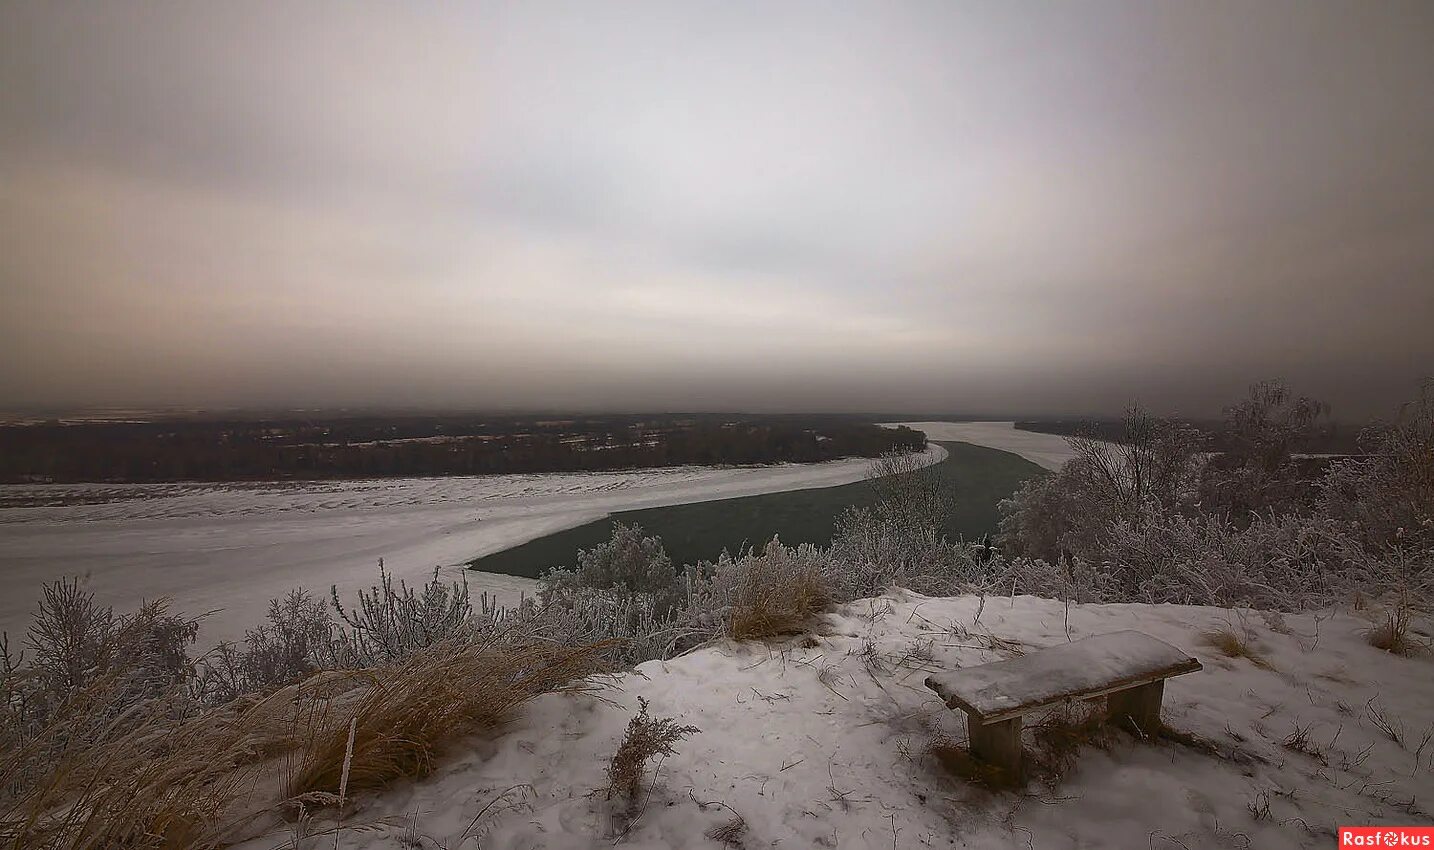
x=294, y=641
x=389, y=624
x=630, y=625
x=1257, y=472
x=627, y=562
x=74, y=644
x=1049, y=515
x=1067, y=578
x=85, y=676
x=1291, y=561
x=1122, y=522
x=1282, y=561
x=777, y=592
x=1156, y=462
x=911, y=493
x=900, y=539
x=1387, y=496
x=870, y=553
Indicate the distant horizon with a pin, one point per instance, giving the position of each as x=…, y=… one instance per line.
x=104, y=414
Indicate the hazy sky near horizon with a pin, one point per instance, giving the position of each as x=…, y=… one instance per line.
x=995, y=206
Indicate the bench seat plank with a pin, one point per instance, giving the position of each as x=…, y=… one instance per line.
x=1085, y=669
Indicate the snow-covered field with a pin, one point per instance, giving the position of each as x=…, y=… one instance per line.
x=824, y=745
x=1048, y=450
x=230, y=548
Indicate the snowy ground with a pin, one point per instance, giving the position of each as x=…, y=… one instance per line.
x=823, y=746
x=233, y=547
x=1048, y=450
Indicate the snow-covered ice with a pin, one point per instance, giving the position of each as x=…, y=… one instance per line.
x=230, y=548
x=1048, y=450
x=822, y=746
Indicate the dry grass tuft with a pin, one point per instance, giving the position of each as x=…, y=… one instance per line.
x=1299, y=741
x=645, y=739
x=1060, y=735
x=403, y=714
x=1394, y=635
x=729, y=832
x=1232, y=645
x=178, y=783
x=777, y=596
x=957, y=760
x=1259, y=805
x=166, y=784
x=1388, y=725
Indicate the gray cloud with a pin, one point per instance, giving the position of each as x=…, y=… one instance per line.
x=970, y=207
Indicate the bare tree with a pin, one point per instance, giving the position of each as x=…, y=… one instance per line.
x=1155, y=463
x=1257, y=471
x=1388, y=495
x=911, y=491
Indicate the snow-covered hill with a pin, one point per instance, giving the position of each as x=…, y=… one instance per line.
x=825, y=742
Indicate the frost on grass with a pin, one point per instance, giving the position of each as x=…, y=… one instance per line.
x=776, y=593
x=389, y=624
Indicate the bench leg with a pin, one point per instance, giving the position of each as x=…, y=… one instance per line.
x=1138, y=707
x=997, y=744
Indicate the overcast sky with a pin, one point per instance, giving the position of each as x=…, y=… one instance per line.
x=1015, y=207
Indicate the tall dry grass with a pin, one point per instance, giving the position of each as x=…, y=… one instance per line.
x=404, y=715
x=165, y=783
x=176, y=782
x=778, y=593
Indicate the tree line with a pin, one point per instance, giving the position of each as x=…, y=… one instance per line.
x=305, y=450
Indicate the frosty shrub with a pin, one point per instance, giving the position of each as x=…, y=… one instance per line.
x=1387, y=496
x=1257, y=471
x=1066, y=578
x=645, y=739
x=870, y=553
x=1043, y=518
x=87, y=676
x=293, y=642
x=900, y=539
x=628, y=625
x=392, y=623
x=1284, y=561
x=1156, y=462
x=778, y=592
x=910, y=491
x=628, y=561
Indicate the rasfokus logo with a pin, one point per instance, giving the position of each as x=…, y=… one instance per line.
x=1386, y=836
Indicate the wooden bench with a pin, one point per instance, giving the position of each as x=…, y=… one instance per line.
x=1129, y=668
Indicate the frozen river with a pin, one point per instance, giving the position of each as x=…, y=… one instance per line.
x=1048, y=450
x=230, y=548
